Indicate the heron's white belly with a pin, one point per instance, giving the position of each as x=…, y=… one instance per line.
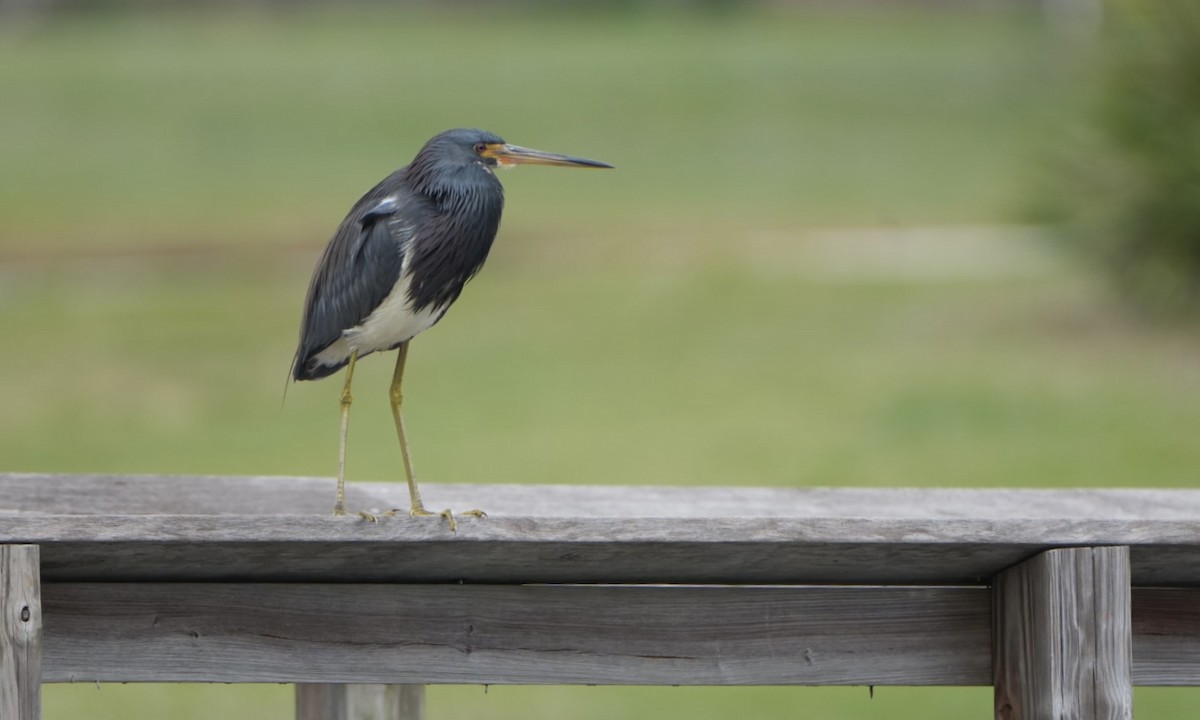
x=390, y=324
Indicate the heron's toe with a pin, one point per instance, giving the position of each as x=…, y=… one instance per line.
x=422, y=512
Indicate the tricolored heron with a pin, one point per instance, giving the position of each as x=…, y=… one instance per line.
x=399, y=260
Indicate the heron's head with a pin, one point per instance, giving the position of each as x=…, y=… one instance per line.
x=465, y=147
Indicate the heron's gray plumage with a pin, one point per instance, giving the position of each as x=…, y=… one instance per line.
x=432, y=221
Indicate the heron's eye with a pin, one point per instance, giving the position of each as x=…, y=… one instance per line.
x=481, y=148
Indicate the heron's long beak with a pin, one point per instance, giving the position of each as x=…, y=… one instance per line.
x=517, y=155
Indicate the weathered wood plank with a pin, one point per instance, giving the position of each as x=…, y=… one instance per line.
x=165, y=632
x=359, y=702
x=564, y=550
x=1166, y=636
x=88, y=494
x=581, y=534
x=1062, y=637
x=20, y=633
x=516, y=634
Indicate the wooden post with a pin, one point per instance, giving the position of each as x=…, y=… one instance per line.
x=359, y=702
x=20, y=633
x=1062, y=637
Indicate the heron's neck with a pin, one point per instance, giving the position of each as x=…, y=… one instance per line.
x=457, y=242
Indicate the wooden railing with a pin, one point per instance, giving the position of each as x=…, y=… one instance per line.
x=1060, y=599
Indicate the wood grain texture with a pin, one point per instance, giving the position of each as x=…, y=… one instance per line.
x=20, y=634
x=420, y=633
x=579, y=534
x=1062, y=637
x=509, y=634
x=1166, y=636
x=91, y=494
x=360, y=702
x=1112, y=669
x=526, y=550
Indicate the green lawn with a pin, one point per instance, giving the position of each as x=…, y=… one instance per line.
x=686, y=319
x=150, y=132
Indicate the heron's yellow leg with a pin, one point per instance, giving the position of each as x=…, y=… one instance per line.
x=339, y=505
x=396, y=396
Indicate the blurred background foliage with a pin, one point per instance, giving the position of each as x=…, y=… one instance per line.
x=831, y=255
x=1136, y=200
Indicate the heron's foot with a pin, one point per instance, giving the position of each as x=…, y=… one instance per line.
x=340, y=511
x=449, y=516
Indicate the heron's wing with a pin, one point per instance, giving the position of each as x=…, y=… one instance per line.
x=360, y=267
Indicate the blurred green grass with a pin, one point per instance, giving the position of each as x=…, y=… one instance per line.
x=151, y=130
x=725, y=373
x=171, y=178
x=274, y=702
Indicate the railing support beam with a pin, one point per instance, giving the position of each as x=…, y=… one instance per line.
x=327, y=701
x=20, y=633
x=1062, y=636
